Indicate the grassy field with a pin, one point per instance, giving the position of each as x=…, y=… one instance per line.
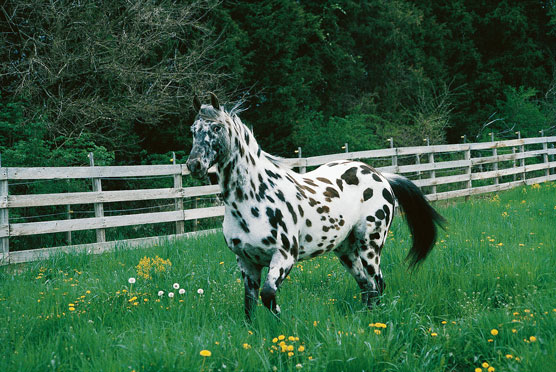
x=485, y=300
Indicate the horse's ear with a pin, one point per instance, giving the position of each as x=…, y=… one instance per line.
x=214, y=101
x=196, y=103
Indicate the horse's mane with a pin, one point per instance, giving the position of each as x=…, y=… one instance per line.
x=210, y=113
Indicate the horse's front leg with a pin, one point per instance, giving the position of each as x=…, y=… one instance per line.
x=280, y=267
x=251, y=275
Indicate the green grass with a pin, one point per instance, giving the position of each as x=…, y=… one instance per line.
x=493, y=269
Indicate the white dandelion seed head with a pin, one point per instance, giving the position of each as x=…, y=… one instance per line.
x=176, y=285
x=181, y=291
x=200, y=291
x=160, y=293
x=131, y=280
x=170, y=294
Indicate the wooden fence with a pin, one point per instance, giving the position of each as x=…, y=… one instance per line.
x=442, y=171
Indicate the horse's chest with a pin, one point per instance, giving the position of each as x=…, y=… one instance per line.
x=244, y=235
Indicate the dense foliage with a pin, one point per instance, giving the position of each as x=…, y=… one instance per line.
x=118, y=77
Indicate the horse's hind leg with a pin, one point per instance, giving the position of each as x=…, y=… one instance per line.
x=361, y=257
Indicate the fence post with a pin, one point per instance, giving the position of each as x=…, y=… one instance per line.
x=395, y=156
x=469, y=170
x=545, y=155
x=178, y=202
x=99, y=207
x=345, y=147
x=522, y=160
x=431, y=161
x=300, y=155
x=4, y=215
x=418, y=162
x=495, y=155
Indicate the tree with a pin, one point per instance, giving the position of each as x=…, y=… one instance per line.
x=124, y=72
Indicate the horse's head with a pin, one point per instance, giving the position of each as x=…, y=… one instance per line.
x=211, y=141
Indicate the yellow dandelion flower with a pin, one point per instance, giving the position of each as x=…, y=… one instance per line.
x=132, y=299
x=485, y=365
x=281, y=337
x=377, y=331
x=490, y=369
x=478, y=370
x=532, y=339
x=290, y=348
x=490, y=340
x=509, y=356
x=205, y=353
x=493, y=332
x=71, y=308
x=291, y=338
x=290, y=354
x=274, y=340
x=301, y=348
x=434, y=334
x=315, y=322
x=246, y=346
x=444, y=322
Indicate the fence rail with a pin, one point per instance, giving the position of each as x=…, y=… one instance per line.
x=443, y=171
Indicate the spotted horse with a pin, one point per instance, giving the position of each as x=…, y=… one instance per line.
x=275, y=217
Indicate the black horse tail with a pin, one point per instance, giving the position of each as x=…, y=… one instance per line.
x=420, y=216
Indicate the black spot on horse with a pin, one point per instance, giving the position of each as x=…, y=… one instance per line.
x=243, y=225
x=350, y=176
x=308, y=238
x=376, y=177
x=284, y=254
x=386, y=212
x=325, y=228
x=239, y=194
x=370, y=218
x=236, y=241
x=285, y=242
x=367, y=194
x=292, y=212
x=308, y=189
x=331, y=193
x=323, y=209
x=280, y=195
x=340, y=184
x=271, y=174
x=313, y=202
x=380, y=214
x=317, y=253
x=310, y=182
x=301, y=213
x=275, y=218
x=325, y=180
x=255, y=211
x=388, y=196
x=365, y=169
x=374, y=236
x=308, y=223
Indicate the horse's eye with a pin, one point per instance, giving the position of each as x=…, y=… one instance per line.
x=216, y=128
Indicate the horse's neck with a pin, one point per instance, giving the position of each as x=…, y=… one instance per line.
x=239, y=174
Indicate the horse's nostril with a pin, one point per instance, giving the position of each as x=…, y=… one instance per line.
x=193, y=165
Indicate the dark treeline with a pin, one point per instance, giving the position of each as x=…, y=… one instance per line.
x=117, y=77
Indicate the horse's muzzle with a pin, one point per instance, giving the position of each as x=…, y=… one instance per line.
x=196, y=168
